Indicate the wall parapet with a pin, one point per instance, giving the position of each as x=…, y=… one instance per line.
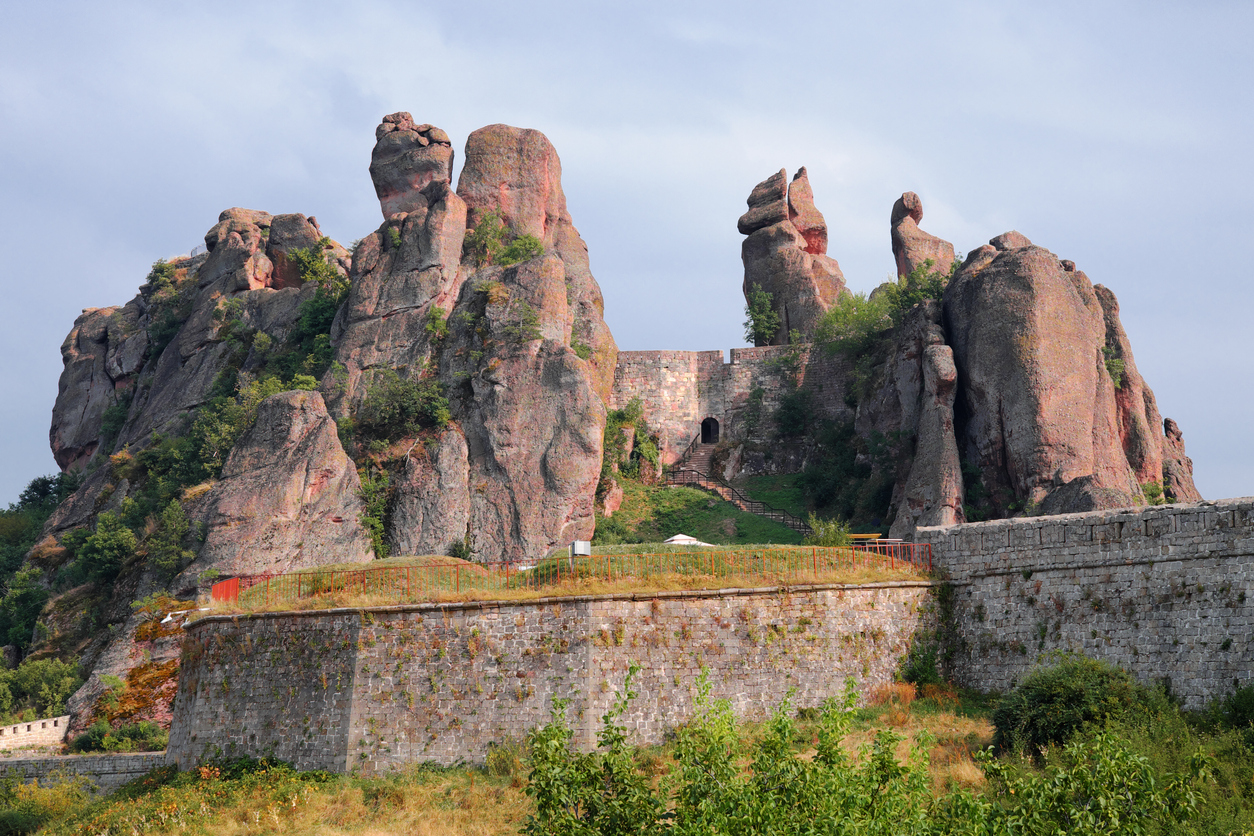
x=106, y=772
x=1166, y=592
x=46, y=731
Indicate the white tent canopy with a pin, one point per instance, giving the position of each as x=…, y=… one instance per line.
x=685, y=540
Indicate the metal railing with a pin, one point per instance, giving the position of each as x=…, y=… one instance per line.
x=418, y=583
x=684, y=476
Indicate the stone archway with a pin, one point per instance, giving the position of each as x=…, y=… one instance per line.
x=709, y=431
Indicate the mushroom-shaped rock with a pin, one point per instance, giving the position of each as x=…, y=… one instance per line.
x=911, y=245
x=784, y=255
x=405, y=159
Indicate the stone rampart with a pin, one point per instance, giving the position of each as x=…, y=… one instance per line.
x=46, y=731
x=680, y=389
x=374, y=689
x=106, y=772
x=1165, y=592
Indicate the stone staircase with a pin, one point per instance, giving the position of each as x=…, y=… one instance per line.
x=693, y=470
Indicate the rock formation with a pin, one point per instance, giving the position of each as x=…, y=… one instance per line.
x=911, y=245
x=287, y=499
x=406, y=158
x=1042, y=416
x=527, y=360
x=785, y=254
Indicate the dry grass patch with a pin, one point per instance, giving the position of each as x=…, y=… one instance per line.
x=575, y=587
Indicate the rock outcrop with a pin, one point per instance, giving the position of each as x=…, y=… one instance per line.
x=911, y=245
x=527, y=360
x=785, y=254
x=1049, y=422
x=406, y=159
x=287, y=499
x=920, y=387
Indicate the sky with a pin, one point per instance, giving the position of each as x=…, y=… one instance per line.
x=1115, y=134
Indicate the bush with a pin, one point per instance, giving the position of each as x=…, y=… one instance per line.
x=1052, y=703
x=39, y=686
x=491, y=242
x=827, y=532
x=144, y=736
x=103, y=553
x=761, y=318
x=395, y=408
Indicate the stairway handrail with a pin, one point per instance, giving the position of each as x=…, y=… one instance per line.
x=788, y=518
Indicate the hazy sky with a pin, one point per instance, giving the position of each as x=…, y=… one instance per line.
x=1115, y=134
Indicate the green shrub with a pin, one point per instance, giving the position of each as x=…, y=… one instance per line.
x=832, y=532
x=396, y=408
x=24, y=598
x=761, y=319
x=855, y=324
x=437, y=322
x=144, y=736
x=491, y=242
x=1054, y=702
x=376, y=495
x=793, y=418
x=39, y=686
x=1114, y=366
x=169, y=304
x=106, y=550
x=165, y=548
x=523, y=248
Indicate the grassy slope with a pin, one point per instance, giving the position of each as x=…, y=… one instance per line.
x=652, y=513
x=780, y=491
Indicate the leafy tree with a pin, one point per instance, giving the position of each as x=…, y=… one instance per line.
x=24, y=598
x=397, y=408
x=761, y=319
x=165, y=545
x=104, y=552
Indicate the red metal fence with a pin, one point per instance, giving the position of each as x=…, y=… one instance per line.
x=416, y=583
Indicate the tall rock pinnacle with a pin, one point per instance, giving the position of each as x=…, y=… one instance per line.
x=785, y=254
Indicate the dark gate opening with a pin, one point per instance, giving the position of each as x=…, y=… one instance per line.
x=709, y=431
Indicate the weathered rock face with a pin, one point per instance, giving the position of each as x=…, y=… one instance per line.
x=516, y=472
x=1177, y=467
x=432, y=507
x=911, y=245
x=1040, y=412
x=917, y=400
x=406, y=158
x=101, y=356
x=288, y=496
x=517, y=171
x=785, y=254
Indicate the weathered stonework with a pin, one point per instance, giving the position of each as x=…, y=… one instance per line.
x=46, y=731
x=1164, y=592
x=680, y=389
x=106, y=772
x=379, y=688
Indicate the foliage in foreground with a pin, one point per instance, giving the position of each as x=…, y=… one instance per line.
x=1055, y=701
x=1097, y=786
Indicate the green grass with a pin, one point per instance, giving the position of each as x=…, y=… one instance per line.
x=653, y=513
x=779, y=491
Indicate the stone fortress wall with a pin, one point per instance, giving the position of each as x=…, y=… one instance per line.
x=1165, y=592
x=374, y=689
x=46, y=731
x=680, y=389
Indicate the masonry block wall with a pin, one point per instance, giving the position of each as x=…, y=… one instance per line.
x=378, y=688
x=1165, y=592
x=47, y=731
x=679, y=389
x=106, y=772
